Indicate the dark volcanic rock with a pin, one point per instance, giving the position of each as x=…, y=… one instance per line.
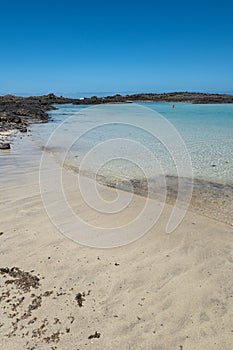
x=23, y=129
x=5, y=146
x=191, y=97
x=18, y=112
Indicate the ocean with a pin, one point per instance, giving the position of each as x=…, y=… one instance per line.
x=130, y=145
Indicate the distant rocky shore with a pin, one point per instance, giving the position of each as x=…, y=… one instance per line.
x=16, y=113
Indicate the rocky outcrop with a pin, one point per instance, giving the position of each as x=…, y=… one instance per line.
x=166, y=97
x=5, y=145
x=18, y=112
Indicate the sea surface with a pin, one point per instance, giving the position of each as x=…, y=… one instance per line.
x=131, y=144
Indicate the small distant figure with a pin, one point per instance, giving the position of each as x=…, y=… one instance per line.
x=173, y=106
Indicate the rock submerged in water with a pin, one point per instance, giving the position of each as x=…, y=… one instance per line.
x=23, y=129
x=5, y=145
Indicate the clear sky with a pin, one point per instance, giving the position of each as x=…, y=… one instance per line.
x=115, y=46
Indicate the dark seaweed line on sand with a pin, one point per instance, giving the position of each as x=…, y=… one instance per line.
x=209, y=198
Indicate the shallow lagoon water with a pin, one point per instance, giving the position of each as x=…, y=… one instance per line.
x=207, y=131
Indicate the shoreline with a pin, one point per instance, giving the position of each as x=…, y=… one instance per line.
x=207, y=196
x=17, y=113
x=132, y=290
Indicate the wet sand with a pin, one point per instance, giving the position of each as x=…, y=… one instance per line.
x=161, y=292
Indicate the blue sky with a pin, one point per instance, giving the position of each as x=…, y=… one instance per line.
x=115, y=46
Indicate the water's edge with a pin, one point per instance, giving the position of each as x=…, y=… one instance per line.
x=210, y=199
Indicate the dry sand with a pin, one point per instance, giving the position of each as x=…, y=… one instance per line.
x=163, y=291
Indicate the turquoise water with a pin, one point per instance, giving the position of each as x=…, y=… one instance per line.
x=116, y=145
x=207, y=131
x=208, y=134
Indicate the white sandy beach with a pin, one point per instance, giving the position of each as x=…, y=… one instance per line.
x=162, y=292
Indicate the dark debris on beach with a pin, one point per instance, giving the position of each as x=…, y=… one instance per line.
x=95, y=335
x=23, y=300
x=23, y=280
